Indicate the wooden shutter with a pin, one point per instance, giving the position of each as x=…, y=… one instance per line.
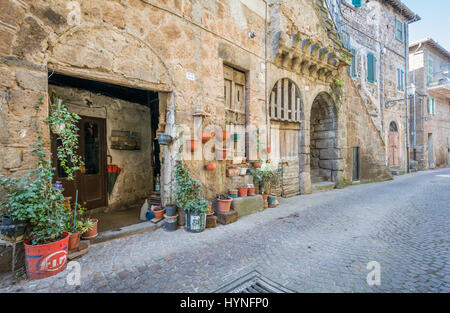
x=353, y=65
x=285, y=102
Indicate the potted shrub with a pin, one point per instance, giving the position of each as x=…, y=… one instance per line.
x=187, y=196
x=92, y=231
x=34, y=198
x=267, y=178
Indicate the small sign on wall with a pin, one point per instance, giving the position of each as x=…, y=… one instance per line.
x=190, y=76
x=125, y=140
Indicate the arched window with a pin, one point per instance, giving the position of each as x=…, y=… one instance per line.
x=285, y=101
x=393, y=127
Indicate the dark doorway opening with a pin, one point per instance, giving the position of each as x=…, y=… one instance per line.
x=96, y=150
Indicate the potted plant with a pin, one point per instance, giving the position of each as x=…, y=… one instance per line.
x=233, y=193
x=92, y=231
x=243, y=191
x=205, y=135
x=257, y=163
x=34, y=198
x=75, y=225
x=159, y=212
x=187, y=196
x=224, y=203
x=211, y=166
x=267, y=178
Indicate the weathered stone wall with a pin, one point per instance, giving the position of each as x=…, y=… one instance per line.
x=158, y=45
x=135, y=181
x=371, y=28
x=437, y=124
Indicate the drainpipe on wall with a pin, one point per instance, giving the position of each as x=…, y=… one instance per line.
x=406, y=97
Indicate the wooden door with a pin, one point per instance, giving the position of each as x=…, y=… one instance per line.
x=91, y=179
x=394, y=149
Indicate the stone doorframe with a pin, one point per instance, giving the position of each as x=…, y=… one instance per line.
x=153, y=75
x=305, y=140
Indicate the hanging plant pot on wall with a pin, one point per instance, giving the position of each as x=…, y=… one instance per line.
x=206, y=136
x=256, y=164
x=211, y=166
x=164, y=139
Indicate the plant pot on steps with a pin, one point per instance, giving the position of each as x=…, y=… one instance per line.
x=195, y=222
x=74, y=240
x=243, y=192
x=171, y=210
x=47, y=259
x=159, y=212
x=91, y=233
x=224, y=205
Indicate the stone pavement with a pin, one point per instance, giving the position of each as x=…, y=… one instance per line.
x=316, y=243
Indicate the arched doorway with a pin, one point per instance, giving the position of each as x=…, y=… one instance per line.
x=285, y=114
x=324, y=152
x=394, y=145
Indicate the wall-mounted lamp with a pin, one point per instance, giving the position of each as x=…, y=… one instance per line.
x=251, y=35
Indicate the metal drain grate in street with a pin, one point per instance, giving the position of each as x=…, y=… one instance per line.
x=253, y=282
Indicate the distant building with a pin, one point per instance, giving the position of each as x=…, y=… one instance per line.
x=429, y=67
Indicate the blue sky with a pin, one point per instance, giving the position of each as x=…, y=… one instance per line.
x=435, y=21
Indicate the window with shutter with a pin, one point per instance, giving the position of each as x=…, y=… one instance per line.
x=400, y=79
x=430, y=71
x=431, y=106
x=399, y=30
x=371, y=68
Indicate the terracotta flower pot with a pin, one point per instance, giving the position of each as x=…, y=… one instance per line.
x=224, y=205
x=91, y=233
x=211, y=166
x=243, y=192
x=210, y=212
x=265, y=196
x=74, y=240
x=251, y=191
x=159, y=212
x=257, y=164
x=193, y=145
x=206, y=136
x=269, y=149
x=233, y=193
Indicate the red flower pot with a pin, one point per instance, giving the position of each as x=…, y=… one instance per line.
x=224, y=205
x=257, y=164
x=251, y=191
x=46, y=260
x=91, y=233
x=159, y=212
x=243, y=192
x=206, y=136
x=193, y=145
x=265, y=196
x=269, y=149
x=74, y=240
x=211, y=166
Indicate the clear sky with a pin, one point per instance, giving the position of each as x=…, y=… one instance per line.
x=435, y=21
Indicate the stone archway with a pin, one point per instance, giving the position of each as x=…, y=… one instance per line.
x=324, y=152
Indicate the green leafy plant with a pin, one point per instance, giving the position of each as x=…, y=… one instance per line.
x=337, y=83
x=64, y=124
x=34, y=198
x=77, y=219
x=187, y=191
x=267, y=177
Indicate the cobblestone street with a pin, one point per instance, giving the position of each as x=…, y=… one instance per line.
x=315, y=243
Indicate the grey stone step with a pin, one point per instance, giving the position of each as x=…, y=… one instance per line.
x=323, y=186
x=318, y=179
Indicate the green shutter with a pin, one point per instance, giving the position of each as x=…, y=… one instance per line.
x=430, y=71
x=370, y=68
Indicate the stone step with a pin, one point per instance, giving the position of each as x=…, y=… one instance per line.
x=318, y=179
x=323, y=186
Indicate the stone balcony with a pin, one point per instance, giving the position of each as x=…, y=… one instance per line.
x=309, y=58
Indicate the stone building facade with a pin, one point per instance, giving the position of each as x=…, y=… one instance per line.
x=377, y=35
x=278, y=69
x=429, y=67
